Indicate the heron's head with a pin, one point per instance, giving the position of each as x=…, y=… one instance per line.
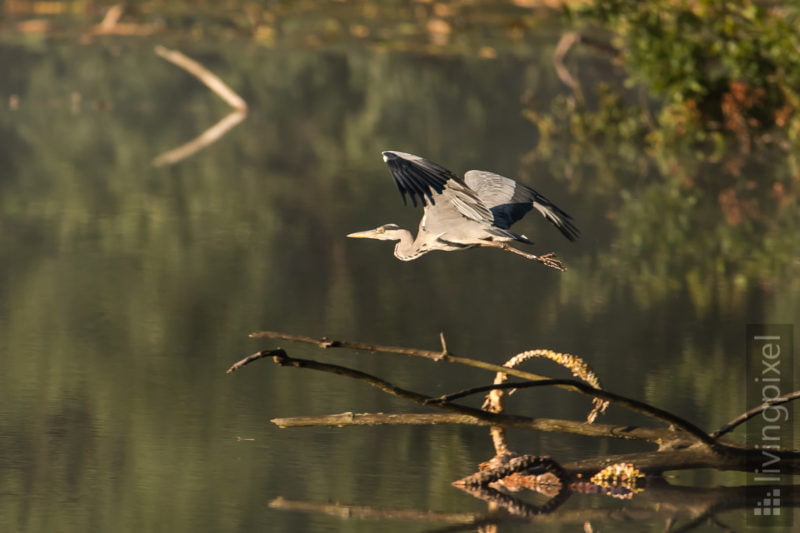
x=387, y=232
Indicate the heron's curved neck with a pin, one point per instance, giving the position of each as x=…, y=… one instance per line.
x=407, y=248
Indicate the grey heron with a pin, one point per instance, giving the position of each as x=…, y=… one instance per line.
x=477, y=210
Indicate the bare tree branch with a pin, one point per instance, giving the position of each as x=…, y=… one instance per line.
x=647, y=434
x=676, y=449
x=207, y=138
x=219, y=87
x=465, y=414
x=744, y=417
x=565, y=44
x=661, y=502
x=433, y=355
x=629, y=403
x=369, y=513
x=211, y=80
x=698, y=456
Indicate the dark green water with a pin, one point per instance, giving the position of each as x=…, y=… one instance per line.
x=128, y=289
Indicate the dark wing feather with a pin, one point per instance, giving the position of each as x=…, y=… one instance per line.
x=509, y=201
x=417, y=177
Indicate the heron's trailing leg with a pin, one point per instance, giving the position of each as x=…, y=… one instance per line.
x=546, y=259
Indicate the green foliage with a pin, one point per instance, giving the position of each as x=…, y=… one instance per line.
x=692, y=152
x=730, y=66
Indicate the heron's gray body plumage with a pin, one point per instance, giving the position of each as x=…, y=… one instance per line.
x=477, y=210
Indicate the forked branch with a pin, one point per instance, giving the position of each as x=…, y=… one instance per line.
x=218, y=87
x=744, y=417
x=572, y=385
x=434, y=355
x=629, y=403
x=211, y=80
x=462, y=414
x=682, y=445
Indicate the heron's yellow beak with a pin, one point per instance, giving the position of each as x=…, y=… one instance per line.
x=362, y=234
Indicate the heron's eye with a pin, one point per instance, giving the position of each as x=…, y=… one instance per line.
x=381, y=230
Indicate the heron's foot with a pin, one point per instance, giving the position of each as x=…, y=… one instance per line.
x=550, y=260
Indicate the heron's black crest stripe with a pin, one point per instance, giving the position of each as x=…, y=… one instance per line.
x=416, y=177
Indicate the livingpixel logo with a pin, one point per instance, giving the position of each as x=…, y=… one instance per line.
x=770, y=375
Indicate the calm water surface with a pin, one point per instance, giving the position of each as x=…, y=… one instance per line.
x=128, y=289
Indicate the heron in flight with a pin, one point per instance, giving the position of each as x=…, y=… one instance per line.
x=463, y=213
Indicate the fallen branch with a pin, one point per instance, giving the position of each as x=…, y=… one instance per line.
x=463, y=414
x=744, y=417
x=565, y=44
x=211, y=80
x=433, y=355
x=553, y=425
x=629, y=403
x=369, y=513
x=280, y=357
x=634, y=405
x=736, y=458
x=660, y=502
x=208, y=137
x=220, y=88
x=681, y=446
x=378, y=419
x=111, y=25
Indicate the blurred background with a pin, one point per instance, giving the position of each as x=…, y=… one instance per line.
x=668, y=129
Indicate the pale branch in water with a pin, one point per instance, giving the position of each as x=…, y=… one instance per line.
x=280, y=357
x=744, y=417
x=211, y=80
x=465, y=414
x=444, y=401
x=681, y=446
x=660, y=501
x=368, y=513
x=629, y=403
x=567, y=41
x=647, y=434
x=446, y=356
x=207, y=138
x=221, y=89
x=729, y=458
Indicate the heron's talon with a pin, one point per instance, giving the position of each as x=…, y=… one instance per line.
x=552, y=261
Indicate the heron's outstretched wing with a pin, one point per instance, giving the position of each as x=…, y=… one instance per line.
x=421, y=179
x=417, y=177
x=509, y=201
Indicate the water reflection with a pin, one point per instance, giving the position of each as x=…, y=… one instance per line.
x=127, y=289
